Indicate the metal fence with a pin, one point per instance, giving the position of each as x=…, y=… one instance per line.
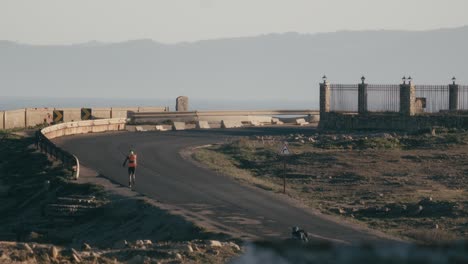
x=436, y=97
x=68, y=160
x=383, y=98
x=463, y=97
x=344, y=97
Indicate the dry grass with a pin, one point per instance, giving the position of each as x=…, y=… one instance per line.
x=377, y=181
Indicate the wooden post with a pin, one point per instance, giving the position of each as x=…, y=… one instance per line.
x=284, y=174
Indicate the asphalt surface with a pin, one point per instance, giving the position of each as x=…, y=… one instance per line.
x=164, y=175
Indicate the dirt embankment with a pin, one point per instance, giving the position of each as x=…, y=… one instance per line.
x=413, y=186
x=49, y=218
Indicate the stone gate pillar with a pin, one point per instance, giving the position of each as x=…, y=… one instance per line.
x=324, y=98
x=362, y=97
x=453, y=96
x=182, y=104
x=407, y=98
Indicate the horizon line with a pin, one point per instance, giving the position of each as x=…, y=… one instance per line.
x=175, y=43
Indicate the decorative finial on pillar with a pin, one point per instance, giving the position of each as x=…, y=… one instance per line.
x=404, y=79
x=324, y=78
x=410, y=80
x=454, y=80
x=363, y=79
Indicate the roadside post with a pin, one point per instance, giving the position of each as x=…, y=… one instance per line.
x=284, y=153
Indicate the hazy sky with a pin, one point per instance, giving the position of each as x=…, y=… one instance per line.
x=169, y=21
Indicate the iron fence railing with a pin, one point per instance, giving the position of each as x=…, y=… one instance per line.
x=463, y=97
x=383, y=98
x=344, y=97
x=68, y=160
x=436, y=97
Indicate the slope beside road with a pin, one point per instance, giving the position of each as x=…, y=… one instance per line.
x=202, y=195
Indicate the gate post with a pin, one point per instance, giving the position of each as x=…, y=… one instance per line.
x=453, y=95
x=324, y=98
x=407, y=97
x=362, y=96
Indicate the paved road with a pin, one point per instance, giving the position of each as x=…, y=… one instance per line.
x=164, y=175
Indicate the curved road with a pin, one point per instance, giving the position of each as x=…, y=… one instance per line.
x=165, y=176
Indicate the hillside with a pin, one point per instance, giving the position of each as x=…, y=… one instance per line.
x=275, y=67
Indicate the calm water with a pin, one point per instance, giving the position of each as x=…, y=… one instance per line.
x=10, y=103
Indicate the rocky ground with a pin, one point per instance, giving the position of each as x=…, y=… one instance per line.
x=48, y=218
x=411, y=185
x=135, y=252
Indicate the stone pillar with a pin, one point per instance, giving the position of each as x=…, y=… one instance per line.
x=182, y=104
x=324, y=99
x=362, y=98
x=407, y=99
x=453, y=97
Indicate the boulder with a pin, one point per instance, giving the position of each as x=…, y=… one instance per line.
x=214, y=243
x=234, y=246
x=54, y=252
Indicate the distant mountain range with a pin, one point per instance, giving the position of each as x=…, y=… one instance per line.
x=280, y=67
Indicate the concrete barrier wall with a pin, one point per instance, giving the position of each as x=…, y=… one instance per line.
x=151, y=109
x=254, y=116
x=2, y=118
x=32, y=117
x=15, y=119
x=36, y=116
x=84, y=127
x=71, y=114
x=121, y=112
x=104, y=113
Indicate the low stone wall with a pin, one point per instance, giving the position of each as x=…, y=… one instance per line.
x=31, y=117
x=35, y=116
x=15, y=119
x=2, y=120
x=392, y=121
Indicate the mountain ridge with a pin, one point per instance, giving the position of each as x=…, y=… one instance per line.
x=286, y=66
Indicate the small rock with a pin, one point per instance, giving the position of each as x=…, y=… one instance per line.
x=147, y=242
x=178, y=256
x=436, y=226
x=188, y=248
x=86, y=247
x=234, y=246
x=54, y=252
x=195, y=248
x=26, y=247
x=380, y=194
x=342, y=211
x=76, y=258
x=214, y=243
